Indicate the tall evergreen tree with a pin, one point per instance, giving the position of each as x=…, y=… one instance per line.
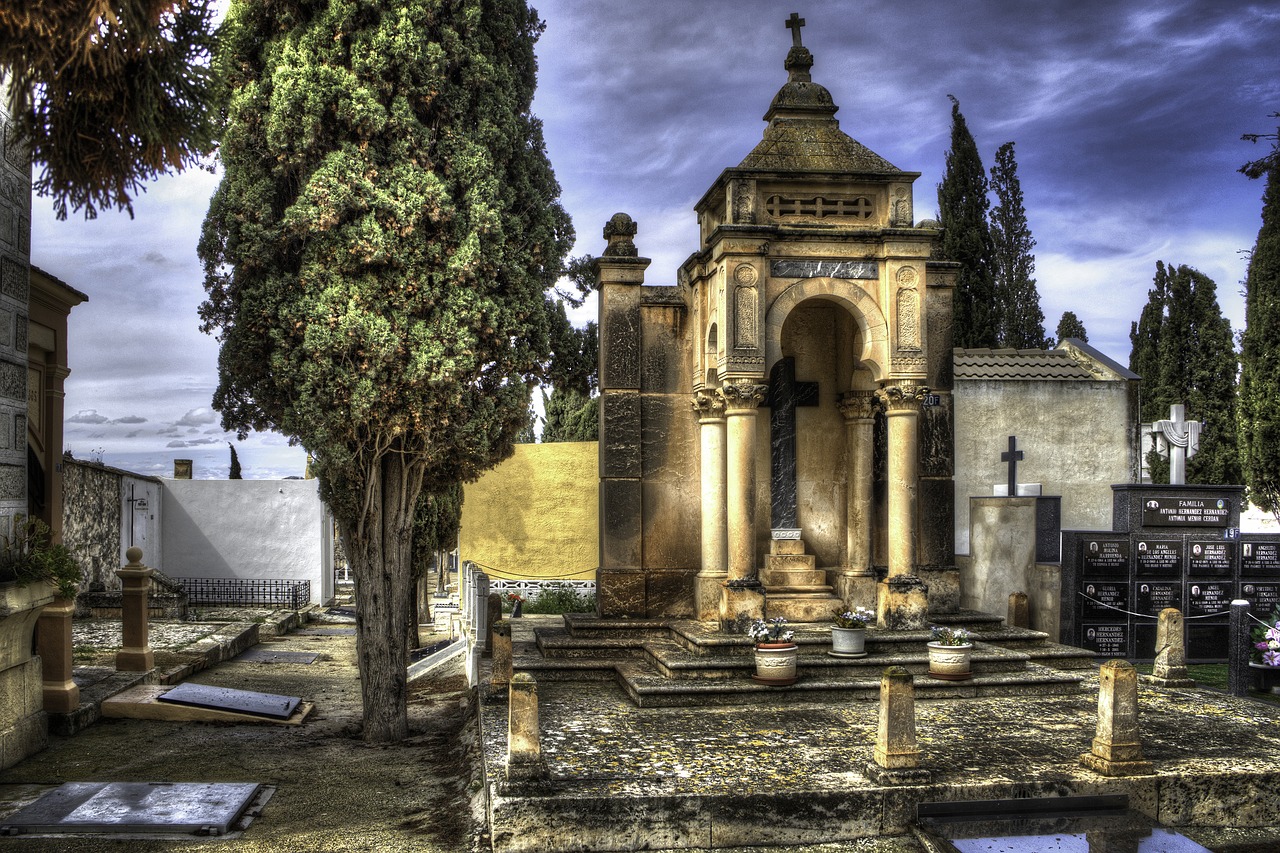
x=572, y=412
x=235, y=472
x=966, y=237
x=1021, y=320
x=1071, y=327
x=376, y=258
x=1260, y=356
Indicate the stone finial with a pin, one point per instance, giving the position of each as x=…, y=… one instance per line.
x=1170, y=667
x=134, y=556
x=524, y=747
x=897, y=757
x=182, y=469
x=1117, y=748
x=619, y=231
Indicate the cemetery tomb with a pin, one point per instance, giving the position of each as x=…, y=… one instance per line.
x=140, y=808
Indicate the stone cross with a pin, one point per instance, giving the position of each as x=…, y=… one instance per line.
x=794, y=23
x=785, y=393
x=1013, y=456
x=1184, y=440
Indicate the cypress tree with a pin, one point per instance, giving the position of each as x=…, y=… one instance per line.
x=966, y=237
x=1260, y=357
x=235, y=473
x=1071, y=327
x=1021, y=319
x=376, y=258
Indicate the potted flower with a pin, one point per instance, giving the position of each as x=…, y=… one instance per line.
x=949, y=650
x=775, y=653
x=849, y=633
x=516, y=600
x=1265, y=656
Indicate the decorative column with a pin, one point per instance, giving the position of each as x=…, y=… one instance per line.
x=741, y=602
x=902, y=602
x=856, y=584
x=710, y=406
x=135, y=580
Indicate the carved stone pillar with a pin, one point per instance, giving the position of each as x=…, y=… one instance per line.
x=856, y=584
x=710, y=406
x=902, y=602
x=739, y=605
x=135, y=581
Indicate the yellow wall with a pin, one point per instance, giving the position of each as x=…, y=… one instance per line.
x=535, y=515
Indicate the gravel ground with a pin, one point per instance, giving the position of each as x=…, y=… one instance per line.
x=334, y=792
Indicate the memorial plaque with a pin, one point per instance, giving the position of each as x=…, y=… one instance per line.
x=1263, y=598
x=1205, y=598
x=1105, y=599
x=1260, y=559
x=1158, y=558
x=1186, y=512
x=1110, y=641
x=1210, y=559
x=1103, y=558
x=1150, y=597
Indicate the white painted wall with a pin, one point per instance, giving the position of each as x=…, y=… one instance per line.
x=248, y=529
x=142, y=519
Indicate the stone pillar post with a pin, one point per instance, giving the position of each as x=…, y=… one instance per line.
x=897, y=757
x=1170, y=667
x=135, y=580
x=1117, y=748
x=902, y=602
x=856, y=583
x=502, y=654
x=524, y=747
x=1019, y=611
x=1239, y=675
x=492, y=613
x=741, y=602
x=710, y=406
x=53, y=639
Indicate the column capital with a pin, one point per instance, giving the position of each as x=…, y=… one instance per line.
x=905, y=397
x=742, y=395
x=858, y=405
x=709, y=404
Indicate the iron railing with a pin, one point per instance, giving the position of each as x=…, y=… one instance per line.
x=243, y=592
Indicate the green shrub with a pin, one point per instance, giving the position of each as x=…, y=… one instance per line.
x=557, y=598
x=28, y=557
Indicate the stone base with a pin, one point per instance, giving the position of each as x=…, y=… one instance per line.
x=1105, y=767
x=134, y=660
x=898, y=776
x=61, y=698
x=706, y=596
x=944, y=588
x=857, y=591
x=1173, y=681
x=902, y=604
x=739, y=608
x=803, y=607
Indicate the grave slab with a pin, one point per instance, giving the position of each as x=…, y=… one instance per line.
x=261, y=655
x=144, y=703
x=200, y=808
x=229, y=699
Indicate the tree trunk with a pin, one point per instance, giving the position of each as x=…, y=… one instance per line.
x=379, y=552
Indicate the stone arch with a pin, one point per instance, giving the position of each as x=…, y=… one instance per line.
x=860, y=304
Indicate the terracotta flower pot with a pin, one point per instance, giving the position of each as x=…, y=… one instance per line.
x=950, y=663
x=776, y=663
x=848, y=642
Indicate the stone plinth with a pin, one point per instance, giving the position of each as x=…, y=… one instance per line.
x=897, y=757
x=902, y=603
x=500, y=675
x=24, y=726
x=53, y=639
x=1117, y=748
x=524, y=746
x=739, y=607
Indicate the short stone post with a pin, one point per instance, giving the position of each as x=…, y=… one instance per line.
x=1239, y=650
x=1170, y=667
x=1117, y=748
x=1019, y=610
x=502, y=653
x=492, y=613
x=524, y=747
x=53, y=640
x=897, y=758
x=135, y=578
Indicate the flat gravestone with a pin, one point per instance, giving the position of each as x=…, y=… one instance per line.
x=327, y=632
x=260, y=655
x=206, y=808
x=230, y=699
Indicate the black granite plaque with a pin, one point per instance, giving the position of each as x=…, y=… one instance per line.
x=1158, y=558
x=1206, y=598
x=1207, y=641
x=1186, y=511
x=1107, y=640
x=1260, y=559
x=1210, y=559
x=1049, y=529
x=1263, y=598
x=1105, y=599
x=786, y=268
x=1150, y=597
x=1103, y=558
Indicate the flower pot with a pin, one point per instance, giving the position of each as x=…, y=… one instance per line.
x=1265, y=678
x=949, y=663
x=848, y=642
x=776, y=663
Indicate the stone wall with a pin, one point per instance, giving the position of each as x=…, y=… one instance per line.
x=536, y=514
x=91, y=521
x=15, y=275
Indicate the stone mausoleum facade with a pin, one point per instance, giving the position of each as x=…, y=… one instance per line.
x=776, y=431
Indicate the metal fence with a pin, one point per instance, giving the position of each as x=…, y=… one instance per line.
x=240, y=592
x=531, y=589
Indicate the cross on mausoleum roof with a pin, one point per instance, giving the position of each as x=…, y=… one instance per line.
x=794, y=23
x=1013, y=455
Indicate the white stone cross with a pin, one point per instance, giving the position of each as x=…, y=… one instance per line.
x=1184, y=440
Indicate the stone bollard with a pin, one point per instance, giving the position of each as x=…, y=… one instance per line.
x=1019, y=610
x=897, y=758
x=53, y=641
x=1239, y=650
x=1117, y=748
x=1170, y=667
x=524, y=748
x=492, y=613
x=135, y=578
x=502, y=654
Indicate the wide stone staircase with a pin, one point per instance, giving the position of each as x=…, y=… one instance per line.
x=675, y=662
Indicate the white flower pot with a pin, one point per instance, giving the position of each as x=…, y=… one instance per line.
x=849, y=642
x=776, y=663
x=950, y=663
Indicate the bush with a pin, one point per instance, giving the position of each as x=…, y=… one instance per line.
x=29, y=557
x=557, y=598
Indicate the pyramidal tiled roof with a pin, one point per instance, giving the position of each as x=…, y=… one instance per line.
x=1017, y=364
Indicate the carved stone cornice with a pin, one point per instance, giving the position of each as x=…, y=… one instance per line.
x=902, y=397
x=709, y=404
x=858, y=405
x=743, y=395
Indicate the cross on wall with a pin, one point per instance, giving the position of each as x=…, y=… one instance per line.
x=1013, y=456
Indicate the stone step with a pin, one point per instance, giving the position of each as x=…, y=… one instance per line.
x=795, y=577
x=790, y=563
x=803, y=607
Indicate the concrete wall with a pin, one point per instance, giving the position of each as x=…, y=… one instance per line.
x=15, y=289
x=1078, y=438
x=535, y=515
x=247, y=529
